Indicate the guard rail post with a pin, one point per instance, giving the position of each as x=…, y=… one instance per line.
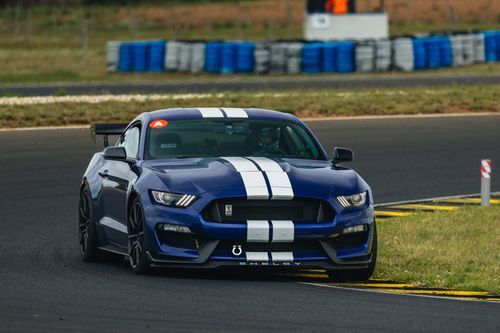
x=485, y=182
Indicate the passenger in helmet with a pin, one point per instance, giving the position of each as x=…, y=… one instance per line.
x=268, y=139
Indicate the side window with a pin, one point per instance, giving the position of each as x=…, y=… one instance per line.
x=130, y=141
x=297, y=144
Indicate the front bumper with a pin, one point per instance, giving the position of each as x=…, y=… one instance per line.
x=214, y=244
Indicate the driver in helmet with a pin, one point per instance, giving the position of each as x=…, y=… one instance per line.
x=268, y=138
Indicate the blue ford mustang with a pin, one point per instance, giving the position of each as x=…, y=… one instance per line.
x=210, y=187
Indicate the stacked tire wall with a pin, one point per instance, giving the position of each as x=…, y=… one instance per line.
x=292, y=57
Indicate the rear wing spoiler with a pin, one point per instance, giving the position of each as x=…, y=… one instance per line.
x=106, y=130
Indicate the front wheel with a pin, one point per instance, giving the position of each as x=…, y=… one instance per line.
x=87, y=233
x=357, y=275
x=136, y=253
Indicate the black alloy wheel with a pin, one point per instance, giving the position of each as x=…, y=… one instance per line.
x=87, y=234
x=136, y=253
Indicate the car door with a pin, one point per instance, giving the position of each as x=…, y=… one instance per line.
x=116, y=178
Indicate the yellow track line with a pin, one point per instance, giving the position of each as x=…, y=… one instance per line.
x=313, y=270
x=377, y=285
x=386, y=213
x=468, y=200
x=441, y=292
x=426, y=207
x=314, y=276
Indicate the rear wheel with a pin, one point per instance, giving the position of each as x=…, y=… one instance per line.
x=87, y=233
x=357, y=275
x=136, y=253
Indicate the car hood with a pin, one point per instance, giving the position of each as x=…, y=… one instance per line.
x=308, y=178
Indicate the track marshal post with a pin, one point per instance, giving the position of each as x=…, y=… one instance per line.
x=485, y=182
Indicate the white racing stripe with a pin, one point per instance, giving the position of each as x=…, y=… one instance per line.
x=255, y=185
x=266, y=164
x=264, y=256
x=257, y=231
x=253, y=179
x=241, y=164
x=211, y=113
x=257, y=256
x=283, y=231
x=281, y=256
x=281, y=188
x=235, y=112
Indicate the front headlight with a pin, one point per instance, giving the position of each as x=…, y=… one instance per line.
x=173, y=199
x=351, y=201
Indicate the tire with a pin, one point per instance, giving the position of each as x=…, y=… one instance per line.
x=87, y=229
x=357, y=275
x=138, y=260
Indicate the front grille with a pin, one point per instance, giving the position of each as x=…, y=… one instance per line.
x=348, y=241
x=179, y=240
x=297, y=210
x=271, y=247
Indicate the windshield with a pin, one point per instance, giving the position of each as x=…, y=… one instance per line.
x=214, y=138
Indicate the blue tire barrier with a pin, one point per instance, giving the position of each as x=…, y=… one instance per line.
x=311, y=58
x=228, y=58
x=491, y=46
x=433, y=52
x=213, y=52
x=329, y=58
x=419, y=53
x=141, y=56
x=446, y=52
x=404, y=54
x=345, y=57
x=245, y=61
x=498, y=45
x=157, y=56
x=126, y=63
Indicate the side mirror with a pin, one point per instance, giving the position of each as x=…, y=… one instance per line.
x=115, y=153
x=342, y=155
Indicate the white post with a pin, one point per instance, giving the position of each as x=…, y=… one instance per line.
x=485, y=182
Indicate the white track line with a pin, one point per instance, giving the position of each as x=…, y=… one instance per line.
x=95, y=99
x=404, y=116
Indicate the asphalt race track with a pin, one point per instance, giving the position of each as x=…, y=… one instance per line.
x=44, y=286
x=205, y=85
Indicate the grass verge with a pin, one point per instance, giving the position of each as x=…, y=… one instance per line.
x=458, y=250
x=27, y=112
